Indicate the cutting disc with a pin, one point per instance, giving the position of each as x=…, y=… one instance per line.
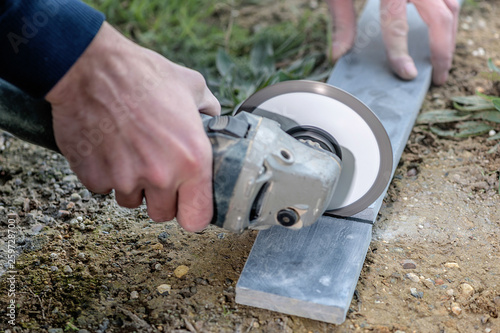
x=366, y=148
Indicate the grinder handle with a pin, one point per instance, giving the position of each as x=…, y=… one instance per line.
x=27, y=118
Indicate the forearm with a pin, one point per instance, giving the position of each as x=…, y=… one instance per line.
x=41, y=40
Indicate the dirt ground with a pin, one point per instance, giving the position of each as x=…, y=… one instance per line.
x=433, y=265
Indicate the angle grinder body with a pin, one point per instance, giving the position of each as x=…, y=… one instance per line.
x=263, y=176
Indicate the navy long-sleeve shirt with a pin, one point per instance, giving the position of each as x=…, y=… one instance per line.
x=41, y=39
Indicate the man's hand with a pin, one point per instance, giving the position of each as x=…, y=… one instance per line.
x=441, y=16
x=128, y=119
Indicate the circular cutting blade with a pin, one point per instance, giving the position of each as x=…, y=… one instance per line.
x=366, y=148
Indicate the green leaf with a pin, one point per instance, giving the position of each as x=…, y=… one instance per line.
x=470, y=100
x=492, y=66
x=493, y=116
x=224, y=63
x=478, y=102
x=441, y=116
x=443, y=133
x=262, y=57
x=486, y=97
x=496, y=103
x=466, y=129
x=472, y=128
x=476, y=107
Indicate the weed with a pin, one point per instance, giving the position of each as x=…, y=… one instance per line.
x=470, y=116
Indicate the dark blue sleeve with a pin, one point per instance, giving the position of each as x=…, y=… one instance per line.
x=41, y=39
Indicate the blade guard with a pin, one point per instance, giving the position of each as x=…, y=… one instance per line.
x=366, y=148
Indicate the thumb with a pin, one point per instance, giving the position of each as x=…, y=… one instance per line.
x=195, y=204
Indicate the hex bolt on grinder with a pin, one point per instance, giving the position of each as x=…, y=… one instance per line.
x=291, y=152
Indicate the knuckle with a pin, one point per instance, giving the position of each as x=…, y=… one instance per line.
x=159, y=176
x=443, y=16
x=398, y=28
x=197, y=80
x=124, y=185
x=199, y=158
x=454, y=6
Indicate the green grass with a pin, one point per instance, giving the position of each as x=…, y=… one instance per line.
x=206, y=35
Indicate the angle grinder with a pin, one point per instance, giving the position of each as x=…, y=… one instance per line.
x=290, y=153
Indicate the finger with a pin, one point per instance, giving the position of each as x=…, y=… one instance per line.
x=344, y=22
x=442, y=18
x=132, y=200
x=161, y=204
x=395, y=34
x=92, y=177
x=209, y=105
x=195, y=205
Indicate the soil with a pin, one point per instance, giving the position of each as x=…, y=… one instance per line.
x=433, y=265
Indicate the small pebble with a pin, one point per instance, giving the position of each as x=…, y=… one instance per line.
x=413, y=277
x=164, y=289
x=63, y=213
x=85, y=194
x=157, y=246
x=411, y=173
x=55, y=330
x=492, y=132
x=158, y=267
x=81, y=255
x=67, y=269
x=409, y=264
x=450, y=292
x=428, y=283
x=415, y=293
x=37, y=228
x=487, y=330
x=54, y=268
x=466, y=289
x=163, y=236
x=456, y=309
x=451, y=265
x=479, y=52
x=70, y=178
x=54, y=256
x=134, y=295
x=181, y=270
x=438, y=282
x=75, y=197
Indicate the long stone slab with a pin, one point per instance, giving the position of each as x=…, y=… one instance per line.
x=313, y=272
